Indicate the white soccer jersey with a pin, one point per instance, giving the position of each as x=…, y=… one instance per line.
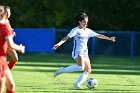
x=81, y=38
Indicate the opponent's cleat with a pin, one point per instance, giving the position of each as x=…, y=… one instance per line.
x=77, y=87
x=59, y=71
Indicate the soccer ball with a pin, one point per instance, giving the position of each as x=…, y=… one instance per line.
x=92, y=83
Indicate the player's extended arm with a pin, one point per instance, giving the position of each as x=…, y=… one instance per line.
x=61, y=42
x=14, y=46
x=113, y=39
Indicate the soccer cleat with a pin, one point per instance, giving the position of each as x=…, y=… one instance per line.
x=59, y=71
x=77, y=87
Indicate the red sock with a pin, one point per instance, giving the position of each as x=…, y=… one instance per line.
x=11, y=64
x=9, y=91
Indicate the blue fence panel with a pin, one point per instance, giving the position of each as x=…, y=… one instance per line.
x=123, y=45
x=36, y=40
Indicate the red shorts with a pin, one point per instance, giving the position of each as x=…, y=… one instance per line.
x=3, y=68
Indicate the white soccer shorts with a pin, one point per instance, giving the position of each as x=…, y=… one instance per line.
x=83, y=53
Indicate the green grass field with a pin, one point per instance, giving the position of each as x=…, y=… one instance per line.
x=34, y=74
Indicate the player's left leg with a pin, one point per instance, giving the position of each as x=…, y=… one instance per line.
x=2, y=84
x=10, y=85
x=87, y=65
x=85, y=74
x=14, y=56
x=2, y=78
x=59, y=71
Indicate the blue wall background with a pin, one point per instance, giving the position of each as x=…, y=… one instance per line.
x=35, y=39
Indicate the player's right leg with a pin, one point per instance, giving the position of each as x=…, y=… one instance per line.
x=75, y=67
x=68, y=69
x=59, y=71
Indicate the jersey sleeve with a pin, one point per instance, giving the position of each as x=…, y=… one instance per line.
x=92, y=33
x=7, y=30
x=72, y=33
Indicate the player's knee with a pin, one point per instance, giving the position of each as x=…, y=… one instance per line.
x=11, y=86
x=88, y=70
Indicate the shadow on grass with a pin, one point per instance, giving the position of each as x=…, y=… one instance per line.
x=36, y=69
x=110, y=65
x=98, y=66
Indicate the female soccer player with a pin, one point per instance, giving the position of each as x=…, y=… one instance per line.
x=81, y=35
x=11, y=52
x=6, y=41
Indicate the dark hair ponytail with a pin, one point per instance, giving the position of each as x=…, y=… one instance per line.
x=80, y=17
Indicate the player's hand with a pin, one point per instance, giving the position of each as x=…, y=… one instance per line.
x=22, y=48
x=55, y=46
x=113, y=39
x=14, y=33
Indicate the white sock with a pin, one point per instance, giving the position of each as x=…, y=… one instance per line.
x=82, y=78
x=73, y=68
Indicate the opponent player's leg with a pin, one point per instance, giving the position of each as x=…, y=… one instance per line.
x=10, y=85
x=14, y=56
